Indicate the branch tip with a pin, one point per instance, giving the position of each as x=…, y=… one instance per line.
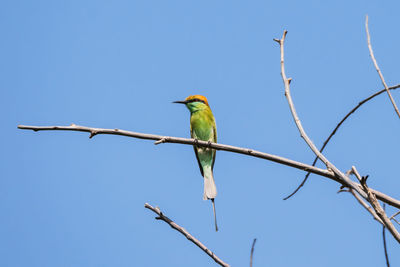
x=184, y=232
x=371, y=53
x=162, y=140
x=92, y=134
x=252, y=252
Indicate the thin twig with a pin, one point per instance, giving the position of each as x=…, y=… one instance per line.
x=183, y=231
x=356, y=174
x=187, y=141
x=353, y=170
x=377, y=207
x=335, y=130
x=252, y=251
x=384, y=240
x=352, y=111
x=366, y=206
x=365, y=192
x=371, y=52
x=286, y=81
x=396, y=221
x=394, y=215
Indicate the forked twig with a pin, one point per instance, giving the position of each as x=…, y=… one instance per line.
x=365, y=192
x=366, y=206
x=286, y=81
x=394, y=215
x=334, y=132
x=377, y=207
x=371, y=52
x=184, y=232
x=355, y=108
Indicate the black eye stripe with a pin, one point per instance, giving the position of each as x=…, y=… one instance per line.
x=196, y=100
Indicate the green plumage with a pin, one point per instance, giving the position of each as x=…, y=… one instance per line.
x=202, y=127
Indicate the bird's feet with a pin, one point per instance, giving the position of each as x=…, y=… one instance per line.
x=209, y=143
x=196, y=141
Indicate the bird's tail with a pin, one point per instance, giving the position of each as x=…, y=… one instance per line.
x=215, y=215
x=210, y=191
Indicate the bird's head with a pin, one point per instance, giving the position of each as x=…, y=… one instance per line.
x=195, y=102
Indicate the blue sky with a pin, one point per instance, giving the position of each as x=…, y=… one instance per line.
x=67, y=200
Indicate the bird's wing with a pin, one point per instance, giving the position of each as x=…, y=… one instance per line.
x=214, y=152
x=198, y=160
x=193, y=135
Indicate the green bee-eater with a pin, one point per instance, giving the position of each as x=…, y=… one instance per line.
x=202, y=127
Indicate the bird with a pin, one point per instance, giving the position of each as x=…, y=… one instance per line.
x=203, y=127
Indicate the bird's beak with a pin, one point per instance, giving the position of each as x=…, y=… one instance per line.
x=180, y=102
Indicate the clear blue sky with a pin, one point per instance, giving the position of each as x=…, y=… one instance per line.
x=67, y=200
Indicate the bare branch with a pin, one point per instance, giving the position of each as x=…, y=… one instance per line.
x=351, y=111
x=252, y=251
x=371, y=52
x=366, y=206
x=356, y=174
x=183, y=231
x=301, y=184
x=354, y=171
x=187, y=141
x=364, y=192
x=381, y=213
x=384, y=240
x=394, y=215
x=341, y=176
x=396, y=221
x=377, y=207
x=335, y=130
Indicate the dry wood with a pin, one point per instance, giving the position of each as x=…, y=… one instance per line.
x=334, y=132
x=252, y=252
x=188, y=141
x=184, y=232
x=286, y=81
x=371, y=52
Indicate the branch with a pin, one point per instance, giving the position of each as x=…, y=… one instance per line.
x=187, y=141
x=394, y=215
x=381, y=213
x=286, y=81
x=371, y=52
x=366, y=206
x=384, y=241
x=353, y=170
x=335, y=130
x=252, y=252
x=377, y=207
x=183, y=231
